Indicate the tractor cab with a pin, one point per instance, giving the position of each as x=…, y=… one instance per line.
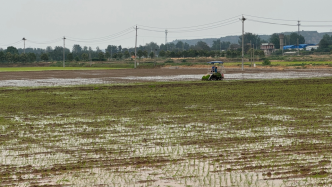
x=216, y=72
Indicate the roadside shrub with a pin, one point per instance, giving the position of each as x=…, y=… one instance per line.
x=266, y=62
x=169, y=61
x=184, y=60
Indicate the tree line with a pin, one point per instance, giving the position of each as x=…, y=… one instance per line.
x=152, y=50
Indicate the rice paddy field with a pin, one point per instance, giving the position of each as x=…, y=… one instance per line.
x=227, y=133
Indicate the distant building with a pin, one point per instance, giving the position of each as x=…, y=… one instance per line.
x=268, y=48
x=309, y=48
x=234, y=46
x=301, y=47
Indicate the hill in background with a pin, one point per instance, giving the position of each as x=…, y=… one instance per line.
x=312, y=37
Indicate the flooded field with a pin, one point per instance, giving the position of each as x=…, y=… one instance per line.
x=227, y=133
x=87, y=77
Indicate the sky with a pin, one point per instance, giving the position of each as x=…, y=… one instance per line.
x=99, y=23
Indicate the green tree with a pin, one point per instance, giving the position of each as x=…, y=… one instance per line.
x=2, y=56
x=120, y=55
x=151, y=55
x=162, y=53
x=44, y=57
x=274, y=38
x=202, y=46
x=293, y=39
x=145, y=54
x=12, y=50
x=101, y=56
x=16, y=58
x=24, y=58
x=126, y=54
x=254, y=38
x=32, y=57
x=217, y=45
x=70, y=57
x=9, y=57
x=107, y=55
x=140, y=53
x=85, y=57
x=325, y=43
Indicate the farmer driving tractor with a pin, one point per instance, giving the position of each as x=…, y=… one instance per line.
x=214, y=74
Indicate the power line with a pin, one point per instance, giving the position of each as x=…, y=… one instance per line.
x=286, y=19
x=180, y=28
x=15, y=43
x=270, y=22
x=46, y=42
x=104, y=37
x=196, y=29
x=101, y=40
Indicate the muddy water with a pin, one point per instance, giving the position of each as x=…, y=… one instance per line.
x=194, y=77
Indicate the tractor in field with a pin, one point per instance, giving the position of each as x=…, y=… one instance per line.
x=215, y=73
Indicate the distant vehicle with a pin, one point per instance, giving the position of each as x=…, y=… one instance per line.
x=215, y=73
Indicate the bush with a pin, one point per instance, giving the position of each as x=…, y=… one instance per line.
x=266, y=62
x=169, y=61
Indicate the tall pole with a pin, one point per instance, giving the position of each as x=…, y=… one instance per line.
x=24, y=44
x=298, y=32
x=253, y=54
x=220, y=45
x=243, y=19
x=166, y=39
x=64, y=47
x=111, y=53
x=298, y=48
x=90, y=56
x=136, y=48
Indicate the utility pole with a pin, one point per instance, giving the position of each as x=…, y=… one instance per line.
x=64, y=47
x=111, y=53
x=90, y=56
x=220, y=45
x=298, y=48
x=135, y=48
x=243, y=19
x=24, y=44
x=298, y=32
x=166, y=31
x=253, y=54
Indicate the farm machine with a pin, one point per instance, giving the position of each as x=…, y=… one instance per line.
x=216, y=72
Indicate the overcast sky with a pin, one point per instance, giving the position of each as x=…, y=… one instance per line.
x=47, y=21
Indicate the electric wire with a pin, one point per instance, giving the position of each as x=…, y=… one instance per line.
x=102, y=41
x=287, y=20
x=193, y=30
x=47, y=42
x=15, y=43
x=177, y=28
x=104, y=37
x=271, y=22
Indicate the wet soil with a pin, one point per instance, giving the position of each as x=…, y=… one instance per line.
x=84, y=77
